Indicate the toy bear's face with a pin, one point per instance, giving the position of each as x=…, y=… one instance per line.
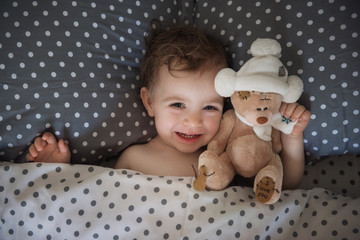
x=256, y=107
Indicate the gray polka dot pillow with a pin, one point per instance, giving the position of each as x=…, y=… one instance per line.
x=72, y=67
x=320, y=43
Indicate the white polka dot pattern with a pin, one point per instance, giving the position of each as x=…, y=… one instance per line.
x=321, y=44
x=73, y=67
x=52, y=201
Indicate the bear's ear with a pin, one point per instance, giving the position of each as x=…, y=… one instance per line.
x=295, y=89
x=243, y=95
x=225, y=82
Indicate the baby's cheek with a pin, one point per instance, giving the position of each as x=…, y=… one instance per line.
x=162, y=125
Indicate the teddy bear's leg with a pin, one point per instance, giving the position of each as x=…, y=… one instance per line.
x=268, y=182
x=219, y=170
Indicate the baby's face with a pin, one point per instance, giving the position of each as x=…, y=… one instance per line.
x=187, y=109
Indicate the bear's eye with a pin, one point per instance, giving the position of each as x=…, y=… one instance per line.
x=243, y=94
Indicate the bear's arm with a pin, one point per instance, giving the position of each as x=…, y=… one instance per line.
x=221, y=138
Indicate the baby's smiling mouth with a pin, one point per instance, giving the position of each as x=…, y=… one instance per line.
x=188, y=136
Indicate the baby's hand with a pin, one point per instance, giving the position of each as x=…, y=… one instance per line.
x=47, y=149
x=298, y=113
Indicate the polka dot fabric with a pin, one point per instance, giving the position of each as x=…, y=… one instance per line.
x=339, y=174
x=56, y=201
x=320, y=43
x=73, y=67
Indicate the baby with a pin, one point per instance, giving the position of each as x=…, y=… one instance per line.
x=178, y=70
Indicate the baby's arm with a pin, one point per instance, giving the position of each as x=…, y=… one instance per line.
x=292, y=154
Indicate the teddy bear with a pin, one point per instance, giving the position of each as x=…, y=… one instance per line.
x=248, y=140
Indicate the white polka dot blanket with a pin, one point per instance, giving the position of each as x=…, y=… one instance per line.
x=59, y=201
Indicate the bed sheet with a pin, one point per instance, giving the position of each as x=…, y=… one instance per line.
x=339, y=174
x=58, y=201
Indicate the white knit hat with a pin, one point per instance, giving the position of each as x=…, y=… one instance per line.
x=264, y=73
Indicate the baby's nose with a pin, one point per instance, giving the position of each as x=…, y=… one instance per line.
x=193, y=119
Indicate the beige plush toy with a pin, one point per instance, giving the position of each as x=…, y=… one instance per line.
x=246, y=143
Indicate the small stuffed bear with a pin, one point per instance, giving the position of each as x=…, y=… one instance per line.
x=246, y=143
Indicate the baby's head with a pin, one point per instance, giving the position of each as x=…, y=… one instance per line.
x=181, y=48
x=178, y=70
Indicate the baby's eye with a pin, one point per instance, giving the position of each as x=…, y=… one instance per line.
x=210, y=108
x=178, y=105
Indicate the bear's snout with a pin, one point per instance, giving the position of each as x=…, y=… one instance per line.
x=262, y=120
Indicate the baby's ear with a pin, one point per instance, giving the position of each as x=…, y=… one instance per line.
x=147, y=101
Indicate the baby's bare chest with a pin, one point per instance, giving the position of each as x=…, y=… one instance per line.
x=171, y=163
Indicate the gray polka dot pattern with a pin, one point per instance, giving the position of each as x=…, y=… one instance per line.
x=320, y=43
x=73, y=67
x=340, y=174
x=52, y=201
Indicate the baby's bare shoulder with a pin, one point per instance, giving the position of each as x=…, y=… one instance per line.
x=131, y=155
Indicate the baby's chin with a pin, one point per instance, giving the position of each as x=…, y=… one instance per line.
x=188, y=149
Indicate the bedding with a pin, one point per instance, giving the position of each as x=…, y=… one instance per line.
x=61, y=201
x=320, y=41
x=72, y=67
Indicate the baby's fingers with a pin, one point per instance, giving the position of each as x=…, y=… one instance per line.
x=63, y=147
x=33, y=153
x=304, y=116
x=298, y=112
x=287, y=109
x=303, y=121
x=39, y=144
x=49, y=138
